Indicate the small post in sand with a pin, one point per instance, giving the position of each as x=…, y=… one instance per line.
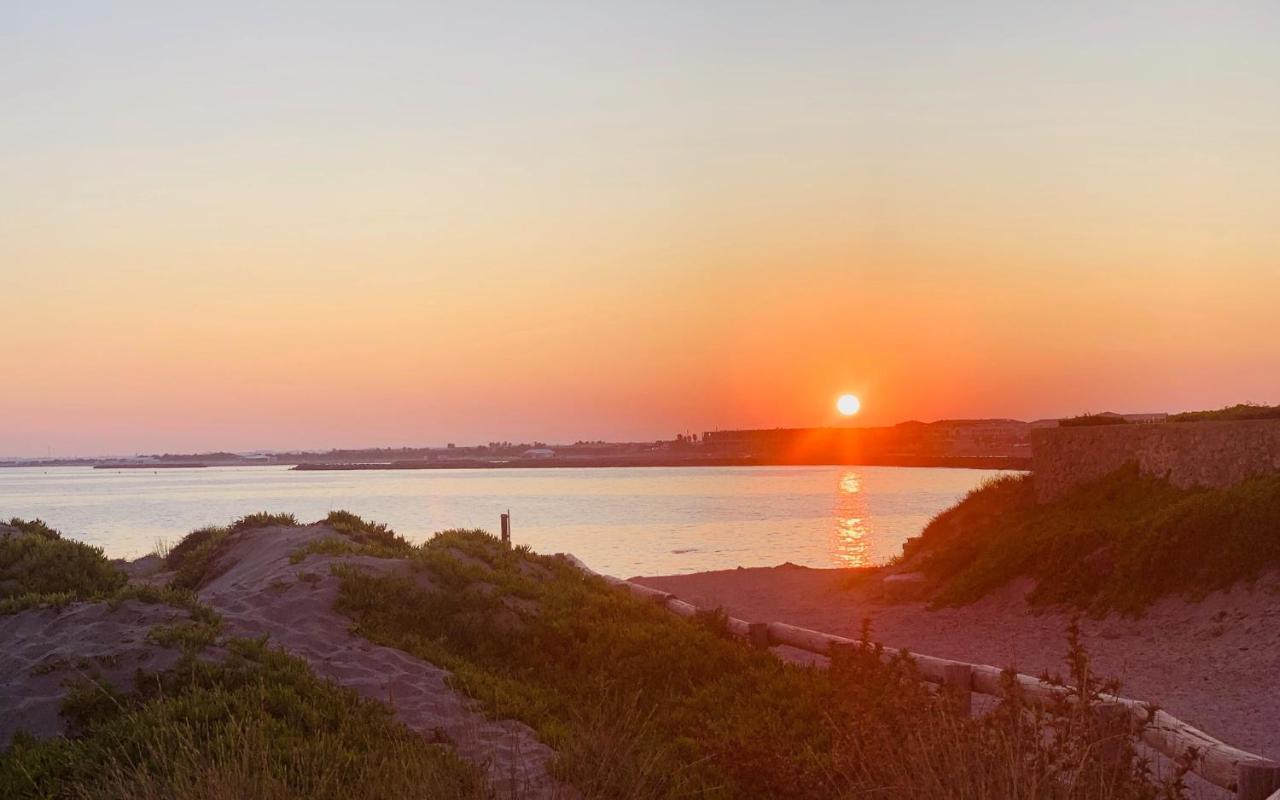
x=506, y=528
x=758, y=635
x=1257, y=780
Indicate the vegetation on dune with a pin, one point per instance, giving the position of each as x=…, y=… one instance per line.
x=358, y=537
x=259, y=724
x=641, y=704
x=1119, y=543
x=1240, y=411
x=38, y=561
x=196, y=559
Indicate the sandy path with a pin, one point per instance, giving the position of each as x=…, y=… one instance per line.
x=262, y=593
x=1215, y=664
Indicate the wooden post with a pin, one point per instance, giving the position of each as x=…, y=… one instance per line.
x=1114, y=723
x=506, y=528
x=758, y=635
x=958, y=678
x=1257, y=780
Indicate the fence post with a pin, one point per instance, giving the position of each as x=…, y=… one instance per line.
x=758, y=634
x=1257, y=780
x=506, y=528
x=1115, y=723
x=959, y=679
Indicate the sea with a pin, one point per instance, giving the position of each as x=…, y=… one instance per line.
x=621, y=521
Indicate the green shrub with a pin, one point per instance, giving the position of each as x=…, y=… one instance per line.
x=39, y=561
x=1119, y=543
x=258, y=725
x=197, y=558
x=1240, y=411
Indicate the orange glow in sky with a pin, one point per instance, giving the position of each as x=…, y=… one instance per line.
x=228, y=227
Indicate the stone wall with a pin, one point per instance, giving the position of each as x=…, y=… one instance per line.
x=1189, y=454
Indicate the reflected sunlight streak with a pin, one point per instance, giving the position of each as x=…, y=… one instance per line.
x=850, y=547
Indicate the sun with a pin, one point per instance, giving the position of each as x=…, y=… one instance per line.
x=848, y=404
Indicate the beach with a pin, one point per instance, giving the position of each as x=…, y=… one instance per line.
x=1214, y=663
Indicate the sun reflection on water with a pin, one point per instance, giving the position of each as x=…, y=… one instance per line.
x=850, y=546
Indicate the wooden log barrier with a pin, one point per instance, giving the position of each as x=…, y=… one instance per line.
x=1250, y=776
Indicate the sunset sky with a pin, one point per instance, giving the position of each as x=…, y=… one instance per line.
x=247, y=225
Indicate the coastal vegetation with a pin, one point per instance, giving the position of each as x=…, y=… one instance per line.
x=636, y=703
x=639, y=704
x=1117, y=544
x=37, y=560
x=256, y=724
x=195, y=559
x=1240, y=411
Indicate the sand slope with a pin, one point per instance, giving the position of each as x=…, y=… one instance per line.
x=44, y=649
x=1215, y=664
x=263, y=594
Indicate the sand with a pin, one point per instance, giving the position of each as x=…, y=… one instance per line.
x=45, y=649
x=1214, y=664
x=292, y=604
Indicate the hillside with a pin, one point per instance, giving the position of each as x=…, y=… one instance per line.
x=336, y=660
x=1117, y=544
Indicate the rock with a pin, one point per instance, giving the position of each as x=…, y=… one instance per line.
x=905, y=586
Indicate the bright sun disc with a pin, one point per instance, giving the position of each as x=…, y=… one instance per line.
x=848, y=404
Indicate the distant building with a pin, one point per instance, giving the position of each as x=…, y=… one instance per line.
x=538, y=452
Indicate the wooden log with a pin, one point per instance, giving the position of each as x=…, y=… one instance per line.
x=1217, y=761
x=803, y=638
x=934, y=670
x=681, y=609
x=1257, y=779
x=739, y=627
x=986, y=679
x=656, y=595
x=758, y=634
x=958, y=678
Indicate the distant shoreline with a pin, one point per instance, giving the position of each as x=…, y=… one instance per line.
x=955, y=462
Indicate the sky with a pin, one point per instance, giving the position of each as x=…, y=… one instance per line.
x=309, y=225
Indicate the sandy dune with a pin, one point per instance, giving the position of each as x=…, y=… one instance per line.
x=263, y=594
x=45, y=648
x=1215, y=664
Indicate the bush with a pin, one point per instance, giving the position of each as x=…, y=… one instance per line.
x=196, y=559
x=1241, y=411
x=39, y=561
x=1119, y=543
x=259, y=725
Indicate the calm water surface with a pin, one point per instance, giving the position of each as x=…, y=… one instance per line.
x=646, y=521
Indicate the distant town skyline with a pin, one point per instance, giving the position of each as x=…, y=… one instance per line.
x=231, y=226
